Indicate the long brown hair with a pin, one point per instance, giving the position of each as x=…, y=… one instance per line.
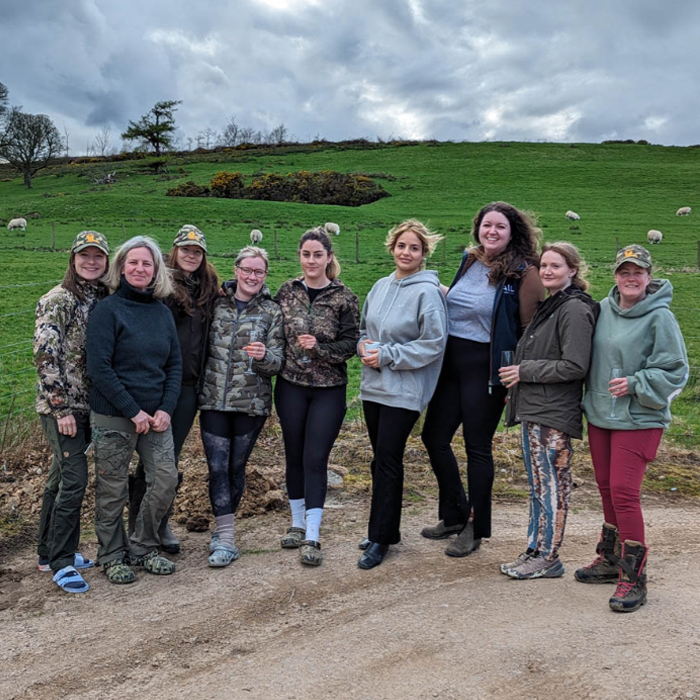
x=319, y=234
x=208, y=284
x=522, y=247
x=71, y=280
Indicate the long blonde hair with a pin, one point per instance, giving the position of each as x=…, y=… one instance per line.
x=572, y=258
x=162, y=283
x=429, y=239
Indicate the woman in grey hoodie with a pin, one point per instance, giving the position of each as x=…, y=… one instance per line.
x=402, y=340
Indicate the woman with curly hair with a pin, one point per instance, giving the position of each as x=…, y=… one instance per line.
x=491, y=300
x=195, y=289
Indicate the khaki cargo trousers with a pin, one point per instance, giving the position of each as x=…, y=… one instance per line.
x=115, y=439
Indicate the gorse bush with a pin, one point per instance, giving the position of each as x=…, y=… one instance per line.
x=324, y=187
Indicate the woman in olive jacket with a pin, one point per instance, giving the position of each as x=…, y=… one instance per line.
x=545, y=390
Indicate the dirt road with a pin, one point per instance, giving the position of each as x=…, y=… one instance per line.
x=422, y=625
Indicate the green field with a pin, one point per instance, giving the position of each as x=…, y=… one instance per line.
x=620, y=191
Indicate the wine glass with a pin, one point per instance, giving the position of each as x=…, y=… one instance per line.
x=302, y=328
x=254, y=336
x=507, y=359
x=615, y=373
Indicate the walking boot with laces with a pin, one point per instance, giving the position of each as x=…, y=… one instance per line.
x=631, y=591
x=604, y=568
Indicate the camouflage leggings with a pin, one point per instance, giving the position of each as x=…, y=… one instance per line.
x=547, y=456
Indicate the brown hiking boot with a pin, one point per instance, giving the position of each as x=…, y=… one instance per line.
x=631, y=591
x=603, y=569
x=464, y=544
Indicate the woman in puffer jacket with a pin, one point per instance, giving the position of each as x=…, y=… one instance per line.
x=246, y=349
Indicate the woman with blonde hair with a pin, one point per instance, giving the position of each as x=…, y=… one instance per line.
x=246, y=349
x=321, y=327
x=492, y=298
x=134, y=364
x=402, y=341
x=545, y=385
x=195, y=289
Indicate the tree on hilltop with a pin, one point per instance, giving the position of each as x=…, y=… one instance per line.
x=156, y=127
x=3, y=99
x=29, y=142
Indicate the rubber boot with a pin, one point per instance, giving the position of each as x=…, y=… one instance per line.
x=631, y=591
x=603, y=569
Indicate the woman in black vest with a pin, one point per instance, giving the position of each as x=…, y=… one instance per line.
x=492, y=298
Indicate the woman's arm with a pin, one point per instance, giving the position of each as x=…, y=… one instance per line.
x=345, y=344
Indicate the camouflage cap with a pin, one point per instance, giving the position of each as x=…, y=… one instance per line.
x=190, y=235
x=635, y=254
x=85, y=239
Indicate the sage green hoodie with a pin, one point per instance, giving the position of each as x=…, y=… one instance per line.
x=645, y=342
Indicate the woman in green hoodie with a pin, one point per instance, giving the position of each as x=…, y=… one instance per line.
x=639, y=366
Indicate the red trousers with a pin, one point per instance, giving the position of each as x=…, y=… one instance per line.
x=619, y=459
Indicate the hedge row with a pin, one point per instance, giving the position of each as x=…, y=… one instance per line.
x=324, y=187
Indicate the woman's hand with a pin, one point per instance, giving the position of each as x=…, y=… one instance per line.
x=160, y=421
x=618, y=387
x=371, y=358
x=361, y=346
x=67, y=425
x=307, y=341
x=256, y=350
x=142, y=421
x=509, y=375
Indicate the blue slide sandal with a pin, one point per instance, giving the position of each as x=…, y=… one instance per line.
x=70, y=580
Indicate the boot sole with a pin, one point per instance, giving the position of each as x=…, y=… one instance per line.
x=458, y=555
x=619, y=608
x=440, y=537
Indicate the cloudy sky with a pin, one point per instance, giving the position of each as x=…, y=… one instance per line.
x=566, y=70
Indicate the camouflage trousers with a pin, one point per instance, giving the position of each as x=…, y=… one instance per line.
x=114, y=440
x=547, y=456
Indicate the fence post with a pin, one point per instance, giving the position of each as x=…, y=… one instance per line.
x=357, y=246
x=53, y=236
x=277, y=255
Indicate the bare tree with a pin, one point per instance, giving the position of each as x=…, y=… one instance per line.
x=102, y=139
x=207, y=138
x=66, y=143
x=250, y=135
x=29, y=142
x=231, y=134
x=278, y=135
x=3, y=100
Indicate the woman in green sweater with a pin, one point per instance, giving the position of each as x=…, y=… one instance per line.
x=639, y=366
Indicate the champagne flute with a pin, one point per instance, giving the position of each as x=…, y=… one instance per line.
x=254, y=336
x=302, y=328
x=615, y=373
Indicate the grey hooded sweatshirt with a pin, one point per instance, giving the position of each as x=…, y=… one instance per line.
x=408, y=318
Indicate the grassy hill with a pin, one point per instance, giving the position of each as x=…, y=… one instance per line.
x=620, y=191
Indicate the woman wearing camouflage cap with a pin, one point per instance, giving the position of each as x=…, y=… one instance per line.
x=62, y=402
x=195, y=289
x=639, y=365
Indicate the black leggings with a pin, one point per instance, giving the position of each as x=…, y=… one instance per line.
x=388, y=428
x=228, y=438
x=462, y=396
x=311, y=418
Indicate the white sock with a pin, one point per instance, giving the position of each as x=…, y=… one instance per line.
x=313, y=523
x=224, y=527
x=298, y=506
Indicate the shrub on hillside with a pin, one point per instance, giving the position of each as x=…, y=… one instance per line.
x=188, y=189
x=228, y=185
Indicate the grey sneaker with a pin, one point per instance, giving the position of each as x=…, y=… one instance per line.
x=440, y=531
x=513, y=564
x=536, y=566
x=464, y=544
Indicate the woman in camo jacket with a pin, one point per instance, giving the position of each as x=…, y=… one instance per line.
x=246, y=349
x=62, y=402
x=321, y=327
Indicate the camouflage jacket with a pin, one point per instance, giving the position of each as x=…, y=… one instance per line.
x=334, y=318
x=227, y=385
x=59, y=349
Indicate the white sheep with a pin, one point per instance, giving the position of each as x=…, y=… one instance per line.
x=17, y=223
x=256, y=236
x=654, y=236
x=683, y=211
x=331, y=228
x=572, y=215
